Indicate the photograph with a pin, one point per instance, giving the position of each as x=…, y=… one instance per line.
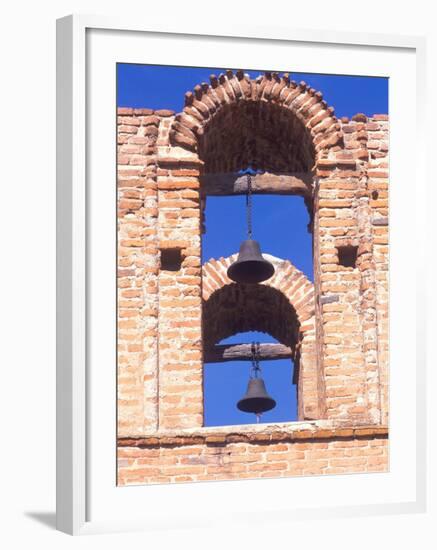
x=252, y=273
x=219, y=313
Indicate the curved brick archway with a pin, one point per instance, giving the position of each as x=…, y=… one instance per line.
x=259, y=134
x=288, y=287
x=270, y=102
x=243, y=308
x=282, y=306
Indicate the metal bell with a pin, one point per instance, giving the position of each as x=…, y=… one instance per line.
x=250, y=267
x=256, y=400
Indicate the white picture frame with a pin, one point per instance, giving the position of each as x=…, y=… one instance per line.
x=76, y=213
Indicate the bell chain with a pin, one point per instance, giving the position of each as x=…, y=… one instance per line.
x=249, y=206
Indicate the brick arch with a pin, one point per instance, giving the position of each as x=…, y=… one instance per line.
x=287, y=298
x=242, y=308
x=259, y=134
x=283, y=306
x=270, y=102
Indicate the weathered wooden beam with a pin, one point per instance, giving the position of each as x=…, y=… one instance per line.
x=243, y=352
x=298, y=183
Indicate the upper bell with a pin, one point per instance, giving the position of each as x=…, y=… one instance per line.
x=250, y=266
x=256, y=400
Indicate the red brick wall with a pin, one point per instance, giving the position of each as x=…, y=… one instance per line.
x=247, y=455
x=338, y=328
x=137, y=271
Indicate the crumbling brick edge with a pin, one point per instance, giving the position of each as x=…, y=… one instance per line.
x=218, y=437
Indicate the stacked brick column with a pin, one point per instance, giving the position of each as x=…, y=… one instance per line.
x=348, y=294
x=342, y=352
x=180, y=389
x=377, y=181
x=137, y=271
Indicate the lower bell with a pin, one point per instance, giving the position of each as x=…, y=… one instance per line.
x=256, y=400
x=250, y=267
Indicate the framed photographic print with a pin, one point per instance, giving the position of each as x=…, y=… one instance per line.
x=232, y=234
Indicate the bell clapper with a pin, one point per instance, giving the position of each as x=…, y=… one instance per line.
x=256, y=370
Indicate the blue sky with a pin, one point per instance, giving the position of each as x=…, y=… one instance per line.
x=279, y=222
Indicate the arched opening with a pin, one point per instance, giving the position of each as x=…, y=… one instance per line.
x=225, y=382
x=281, y=312
x=233, y=317
x=263, y=135
x=243, y=308
x=277, y=130
x=280, y=224
x=267, y=139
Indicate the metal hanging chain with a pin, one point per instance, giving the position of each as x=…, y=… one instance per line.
x=255, y=369
x=249, y=206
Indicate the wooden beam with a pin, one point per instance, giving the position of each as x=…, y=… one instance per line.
x=298, y=183
x=243, y=352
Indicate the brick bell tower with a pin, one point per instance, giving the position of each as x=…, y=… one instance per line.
x=172, y=310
